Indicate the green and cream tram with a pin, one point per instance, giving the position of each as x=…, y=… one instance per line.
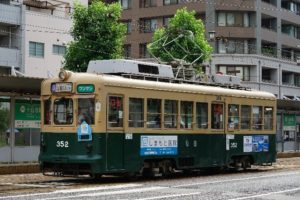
x=107, y=124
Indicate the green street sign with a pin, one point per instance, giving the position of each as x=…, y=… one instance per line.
x=85, y=88
x=27, y=114
x=289, y=122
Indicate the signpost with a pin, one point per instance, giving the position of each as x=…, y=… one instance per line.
x=27, y=114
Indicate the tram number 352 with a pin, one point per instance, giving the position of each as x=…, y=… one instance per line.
x=62, y=144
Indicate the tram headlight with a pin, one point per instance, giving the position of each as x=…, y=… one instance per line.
x=63, y=75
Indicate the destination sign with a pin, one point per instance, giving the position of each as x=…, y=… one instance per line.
x=85, y=88
x=61, y=87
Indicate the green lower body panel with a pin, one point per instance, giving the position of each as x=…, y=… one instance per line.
x=121, y=153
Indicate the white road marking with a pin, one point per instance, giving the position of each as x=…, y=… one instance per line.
x=236, y=179
x=89, y=189
x=266, y=194
x=98, y=194
x=25, y=185
x=170, y=196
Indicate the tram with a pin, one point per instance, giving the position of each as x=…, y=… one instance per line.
x=100, y=123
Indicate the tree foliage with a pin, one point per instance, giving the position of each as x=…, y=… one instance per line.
x=97, y=34
x=4, y=119
x=184, y=39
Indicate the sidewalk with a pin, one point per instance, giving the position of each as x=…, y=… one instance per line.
x=23, y=168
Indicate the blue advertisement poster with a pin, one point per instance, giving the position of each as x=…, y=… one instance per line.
x=260, y=143
x=158, y=145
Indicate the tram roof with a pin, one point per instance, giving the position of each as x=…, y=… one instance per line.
x=118, y=81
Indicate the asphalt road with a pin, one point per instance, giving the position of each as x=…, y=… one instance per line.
x=260, y=184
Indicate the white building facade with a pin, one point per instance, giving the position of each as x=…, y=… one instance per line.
x=33, y=35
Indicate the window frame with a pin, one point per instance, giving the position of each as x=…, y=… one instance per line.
x=33, y=51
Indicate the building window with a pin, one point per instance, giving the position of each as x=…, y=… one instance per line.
x=147, y=3
x=36, y=49
x=240, y=71
x=166, y=21
x=149, y=25
x=143, y=51
x=136, y=112
x=128, y=27
x=233, y=19
x=170, y=2
x=59, y=50
x=126, y=4
x=127, y=51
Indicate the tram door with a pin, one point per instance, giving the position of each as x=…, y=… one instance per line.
x=217, y=138
x=115, y=133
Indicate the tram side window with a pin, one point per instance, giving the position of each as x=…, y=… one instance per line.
x=153, y=113
x=268, y=118
x=245, y=117
x=115, y=111
x=217, y=116
x=233, y=116
x=47, y=112
x=136, y=112
x=202, y=115
x=86, y=111
x=171, y=110
x=257, y=121
x=63, y=111
x=186, y=114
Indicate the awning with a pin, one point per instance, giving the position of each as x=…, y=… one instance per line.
x=292, y=105
x=20, y=85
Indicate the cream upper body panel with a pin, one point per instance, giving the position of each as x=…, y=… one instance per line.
x=117, y=81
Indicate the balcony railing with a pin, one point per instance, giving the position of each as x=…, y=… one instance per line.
x=10, y=14
x=9, y=57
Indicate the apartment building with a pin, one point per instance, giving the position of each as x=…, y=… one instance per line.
x=257, y=40
x=33, y=35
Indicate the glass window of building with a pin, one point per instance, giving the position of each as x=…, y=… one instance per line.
x=257, y=121
x=143, y=51
x=170, y=2
x=59, y=49
x=171, y=110
x=127, y=51
x=149, y=25
x=86, y=111
x=186, y=114
x=202, y=115
x=36, y=49
x=240, y=71
x=128, y=26
x=166, y=21
x=136, y=112
x=153, y=113
x=268, y=118
x=126, y=4
x=245, y=117
x=63, y=111
x=115, y=111
x=147, y=3
x=233, y=116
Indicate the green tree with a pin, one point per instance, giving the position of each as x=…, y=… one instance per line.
x=183, y=39
x=98, y=34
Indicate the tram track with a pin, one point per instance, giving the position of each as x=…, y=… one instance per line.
x=38, y=183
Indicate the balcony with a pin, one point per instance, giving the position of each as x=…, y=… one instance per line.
x=10, y=14
x=9, y=57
